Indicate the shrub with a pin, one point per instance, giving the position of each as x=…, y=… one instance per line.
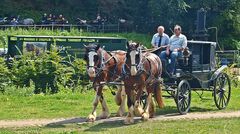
x=4, y=74
x=48, y=72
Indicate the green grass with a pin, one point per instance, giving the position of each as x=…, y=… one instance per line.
x=142, y=38
x=213, y=126
x=22, y=104
x=27, y=106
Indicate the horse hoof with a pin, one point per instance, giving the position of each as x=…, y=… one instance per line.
x=120, y=113
x=138, y=111
x=104, y=115
x=145, y=116
x=128, y=121
x=91, y=118
x=151, y=116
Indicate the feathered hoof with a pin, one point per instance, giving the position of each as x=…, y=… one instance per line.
x=145, y=116
x=138, y=111
x=120, y=113
x=91, y=118
x=128, y=121
x=104, y=115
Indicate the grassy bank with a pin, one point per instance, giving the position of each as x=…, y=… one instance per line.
x=23, y=104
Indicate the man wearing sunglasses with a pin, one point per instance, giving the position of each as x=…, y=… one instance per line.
x=177, y=43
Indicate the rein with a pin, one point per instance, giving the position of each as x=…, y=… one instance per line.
x=151, y=50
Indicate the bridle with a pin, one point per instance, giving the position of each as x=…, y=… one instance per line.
x=139, y=65
x=100, y=61
x=101, y=64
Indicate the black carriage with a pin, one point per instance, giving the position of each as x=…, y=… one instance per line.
x=197, y=70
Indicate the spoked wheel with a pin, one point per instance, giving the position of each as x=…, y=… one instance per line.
x=183, y=97
x=222, y=90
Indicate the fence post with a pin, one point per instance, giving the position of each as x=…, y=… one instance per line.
x=52, y=27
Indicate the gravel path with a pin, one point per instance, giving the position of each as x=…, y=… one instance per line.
x=60, y=121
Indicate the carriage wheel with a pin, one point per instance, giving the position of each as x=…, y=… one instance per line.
x=183, y=97
x=222, y=90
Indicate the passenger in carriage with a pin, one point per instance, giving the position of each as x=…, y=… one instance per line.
x=177, y=43
x=160, y=40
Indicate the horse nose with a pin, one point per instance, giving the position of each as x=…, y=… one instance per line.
x=133, y=70
x=91, y=72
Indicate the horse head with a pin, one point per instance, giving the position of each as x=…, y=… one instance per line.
x=133, y=56
x=93, y=59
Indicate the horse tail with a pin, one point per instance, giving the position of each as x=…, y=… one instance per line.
x=158, y=95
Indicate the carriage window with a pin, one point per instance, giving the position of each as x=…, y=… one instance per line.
x=206, y=54
x=104, y=41
x=116, y=41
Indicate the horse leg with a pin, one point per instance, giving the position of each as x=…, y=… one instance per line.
x=120, y=99
x=99, y=97
x=105, y=111
x=151, y=109
x=158, y=95
x=129, y=118
x=145, y=115
x=137, y=106
x=92, y=116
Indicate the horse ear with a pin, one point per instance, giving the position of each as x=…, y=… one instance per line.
x=98, y=46
x=86, y=47
x=138, y=44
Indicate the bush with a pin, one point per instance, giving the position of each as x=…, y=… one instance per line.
x=4, y=74
x=48, y=72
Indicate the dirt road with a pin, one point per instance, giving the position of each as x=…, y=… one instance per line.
x=43, y=122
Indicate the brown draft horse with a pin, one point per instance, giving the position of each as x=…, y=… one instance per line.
x=103, y=66
x=142, y=72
